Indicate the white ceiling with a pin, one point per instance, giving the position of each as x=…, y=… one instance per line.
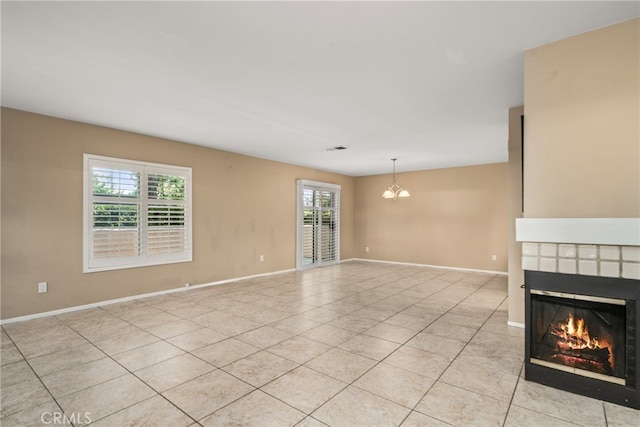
x=427, y=82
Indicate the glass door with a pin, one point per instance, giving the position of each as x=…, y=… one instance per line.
x=318, y=237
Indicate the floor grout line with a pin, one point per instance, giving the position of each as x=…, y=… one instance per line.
x=324, y=296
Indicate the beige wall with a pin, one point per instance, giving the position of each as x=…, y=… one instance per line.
x=455, y=217
x=582, y=131
x=243, y=207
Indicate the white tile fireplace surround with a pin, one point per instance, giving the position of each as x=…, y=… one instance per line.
x=606, y=247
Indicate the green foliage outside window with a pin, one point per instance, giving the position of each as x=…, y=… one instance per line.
x=124, y=188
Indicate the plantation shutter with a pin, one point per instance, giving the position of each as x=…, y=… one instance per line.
x=115, y=211
x=318, y=224
x=310, y=226
x=136, y=214
x=329, y=225
x=166, y=214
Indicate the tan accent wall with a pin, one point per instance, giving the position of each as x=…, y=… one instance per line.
x=243, y=207
x=582, y=132
x=455, y=217
x=516, y=274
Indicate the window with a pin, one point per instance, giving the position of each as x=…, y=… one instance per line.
x=135, y=214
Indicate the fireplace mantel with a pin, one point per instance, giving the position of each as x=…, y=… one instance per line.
x=595, y=231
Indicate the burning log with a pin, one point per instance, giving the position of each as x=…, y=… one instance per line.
x=600, y=355
x=594, y=362
x=574, y=347
x=574, y=335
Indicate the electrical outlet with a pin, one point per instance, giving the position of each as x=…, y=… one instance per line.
x=261, y=258
x=366, y=249
x=493, y=257
x=42, y=287
x=186, y=285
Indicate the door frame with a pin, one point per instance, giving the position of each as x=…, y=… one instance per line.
x=301, y=185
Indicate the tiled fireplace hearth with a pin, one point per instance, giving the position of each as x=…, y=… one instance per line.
x=582, y=303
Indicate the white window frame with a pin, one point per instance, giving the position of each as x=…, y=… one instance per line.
x=91, y=264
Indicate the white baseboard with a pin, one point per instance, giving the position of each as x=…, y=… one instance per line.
x=515, y=324
x=472, y=270
x=133, y=297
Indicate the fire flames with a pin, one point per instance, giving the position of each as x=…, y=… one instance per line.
x=575, y=335
x=575, y=347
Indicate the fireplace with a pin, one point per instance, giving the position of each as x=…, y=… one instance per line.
x=579, y=334
x=582, y=334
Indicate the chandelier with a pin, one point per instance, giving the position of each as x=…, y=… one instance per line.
x=395, y=190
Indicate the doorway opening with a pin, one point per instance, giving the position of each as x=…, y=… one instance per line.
x=318, y=224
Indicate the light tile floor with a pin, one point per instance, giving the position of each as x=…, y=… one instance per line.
x=359, y=344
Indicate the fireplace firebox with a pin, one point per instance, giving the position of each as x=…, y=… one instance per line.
x=582, y=334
